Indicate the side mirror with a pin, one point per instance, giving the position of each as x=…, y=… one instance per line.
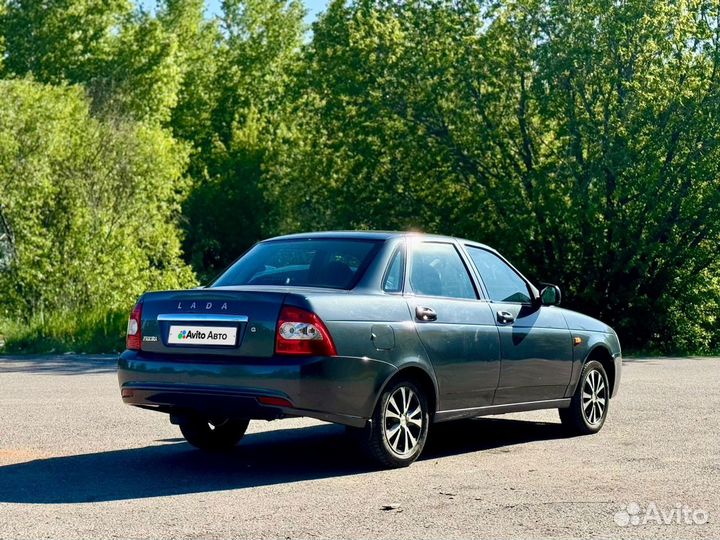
x=550, y=295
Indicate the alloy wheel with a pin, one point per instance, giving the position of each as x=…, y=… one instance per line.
x=403, y=421
x=594, y=397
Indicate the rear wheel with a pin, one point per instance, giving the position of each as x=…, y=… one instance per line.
x=399, y=425
x=589, y=406
x=213, y=434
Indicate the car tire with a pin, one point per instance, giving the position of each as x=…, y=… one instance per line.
x=590, y=403
x=399, y=425
x=214, y=434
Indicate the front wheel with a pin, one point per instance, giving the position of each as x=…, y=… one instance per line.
x=589, y=406
x=214, y=434
x=399, y=425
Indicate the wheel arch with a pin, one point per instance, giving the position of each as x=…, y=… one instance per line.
x=603, y=355
x=419, y=375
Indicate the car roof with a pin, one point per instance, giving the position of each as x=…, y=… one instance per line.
x=373, y=235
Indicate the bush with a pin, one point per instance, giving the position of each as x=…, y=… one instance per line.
x=88, y=213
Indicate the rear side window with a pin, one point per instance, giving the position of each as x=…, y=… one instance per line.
x=328, y=263
x=502, y=282
x=393, y=282
x=437, y=270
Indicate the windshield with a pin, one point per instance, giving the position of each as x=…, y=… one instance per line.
x=329, y=263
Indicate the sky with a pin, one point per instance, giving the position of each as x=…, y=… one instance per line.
x=213, y=7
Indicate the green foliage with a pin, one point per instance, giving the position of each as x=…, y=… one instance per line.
x=581, y=139
x=91, y=205
x=242, y=117
x=142, y=77
x=59, y=40
x=693, y=317
x=197, y=43
x=128, y=60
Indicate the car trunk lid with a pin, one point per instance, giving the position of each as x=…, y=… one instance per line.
x=211, y=321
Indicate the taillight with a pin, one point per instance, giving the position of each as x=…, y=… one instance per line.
x=302, y=332
x=134, y=329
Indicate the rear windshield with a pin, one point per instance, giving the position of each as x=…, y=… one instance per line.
x=334, y=264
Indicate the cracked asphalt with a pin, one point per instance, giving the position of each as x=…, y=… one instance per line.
x=76, y=463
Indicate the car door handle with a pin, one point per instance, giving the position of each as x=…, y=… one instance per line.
x=425, y=314
x=505, y=317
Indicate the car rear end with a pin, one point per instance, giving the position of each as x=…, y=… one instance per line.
x=259, y=349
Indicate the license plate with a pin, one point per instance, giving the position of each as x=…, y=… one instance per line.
x=182, y=334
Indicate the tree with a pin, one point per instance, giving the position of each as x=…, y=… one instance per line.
x=143, y=74
x=581, y=139
x=254, y=65
x=92, y=205
x=198, y=41
x=219, y=85
x=127, y=60
x=59, y=40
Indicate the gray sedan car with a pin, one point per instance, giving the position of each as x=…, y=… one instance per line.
x=384, y=332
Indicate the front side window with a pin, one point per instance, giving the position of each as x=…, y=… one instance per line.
x=502, y=282
x=327, y=263
x=437, y=270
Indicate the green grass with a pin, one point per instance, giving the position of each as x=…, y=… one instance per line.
x=95, y=331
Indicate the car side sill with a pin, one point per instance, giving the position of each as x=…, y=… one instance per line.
x=457, y=414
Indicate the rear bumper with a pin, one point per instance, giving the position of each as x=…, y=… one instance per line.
x=335, y=389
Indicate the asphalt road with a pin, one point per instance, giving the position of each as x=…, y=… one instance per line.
x=76, y=463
